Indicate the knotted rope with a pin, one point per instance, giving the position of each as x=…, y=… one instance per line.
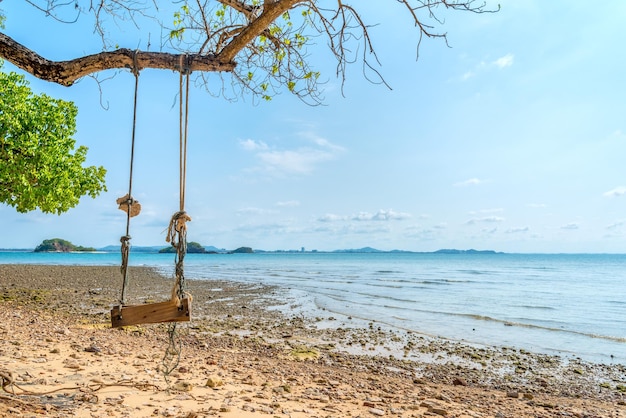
x=127, y=203
x=177, y=237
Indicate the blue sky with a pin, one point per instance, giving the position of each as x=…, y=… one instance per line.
x=512, y=139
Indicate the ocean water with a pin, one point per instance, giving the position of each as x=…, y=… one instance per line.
x=564, y=304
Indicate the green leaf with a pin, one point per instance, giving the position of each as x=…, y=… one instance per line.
x=39, y=169
x=177, y=33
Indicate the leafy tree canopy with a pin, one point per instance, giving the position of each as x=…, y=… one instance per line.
x=38, y=168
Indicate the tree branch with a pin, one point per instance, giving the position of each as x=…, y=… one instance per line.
x=67, y=72
x=240, y=6
x=246, y=38
x=271, y=12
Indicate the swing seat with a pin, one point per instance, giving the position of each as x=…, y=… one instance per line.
x=152, y=313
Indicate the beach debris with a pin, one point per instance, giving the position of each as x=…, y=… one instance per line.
x=93, y=349
x=114, y=401
x=438, y=411
x=183, y=386
x=512, y=394
x=214, y=381
x=6, y=379
x=377, y=412
x=303, y=354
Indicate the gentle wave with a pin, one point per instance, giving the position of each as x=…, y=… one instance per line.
x=535, y=326
x=538, y=307
x=477, y=272
x=474, y=317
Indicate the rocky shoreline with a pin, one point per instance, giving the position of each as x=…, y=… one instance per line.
x=248, y=352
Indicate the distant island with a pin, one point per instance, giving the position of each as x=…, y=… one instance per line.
x=242, y=250
x=58, y=245
x=63, y=246
x=196, y=248
x=192, y=248
x=446, y=251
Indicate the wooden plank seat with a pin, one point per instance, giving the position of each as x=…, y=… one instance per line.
x=151, y=313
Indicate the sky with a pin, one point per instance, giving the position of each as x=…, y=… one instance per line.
x=510, y=138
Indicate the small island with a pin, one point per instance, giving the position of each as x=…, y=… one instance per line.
x=192, y=248
x=471, y=251
x=58, y=245
x=242, y=250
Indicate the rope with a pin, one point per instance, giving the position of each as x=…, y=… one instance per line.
x=131, y=206
x=7, y=382
x=183, y=133
x=177, y=236
x=125, y=249
x=177, y=230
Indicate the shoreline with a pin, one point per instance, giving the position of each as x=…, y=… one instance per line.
x=251, y=340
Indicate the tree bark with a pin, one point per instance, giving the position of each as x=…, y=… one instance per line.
x=271, y=12
x=67, y=72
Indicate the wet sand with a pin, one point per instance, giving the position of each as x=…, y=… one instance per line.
x=248, y=353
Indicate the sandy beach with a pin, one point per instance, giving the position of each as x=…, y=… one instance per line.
x=248, y=354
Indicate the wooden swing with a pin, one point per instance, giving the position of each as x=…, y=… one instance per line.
x=178, y=308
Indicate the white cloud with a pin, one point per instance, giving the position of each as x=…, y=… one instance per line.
x=421, y=234
x=468, y=75
x=486, y=219
x=616, y=225
x=485, y=66
x=493, y=210
x=252, y=145
x=288, y=204
x=469, y=182
x=331, y=217
x=571, y=226
x=618, y=191
x=492, y=219
x=264, y=229
x=517, y=230
x=505, y=61
x=381, y=215
x=301, y=160
x=321, y=142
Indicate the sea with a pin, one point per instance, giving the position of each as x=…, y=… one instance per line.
x=571, y=305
